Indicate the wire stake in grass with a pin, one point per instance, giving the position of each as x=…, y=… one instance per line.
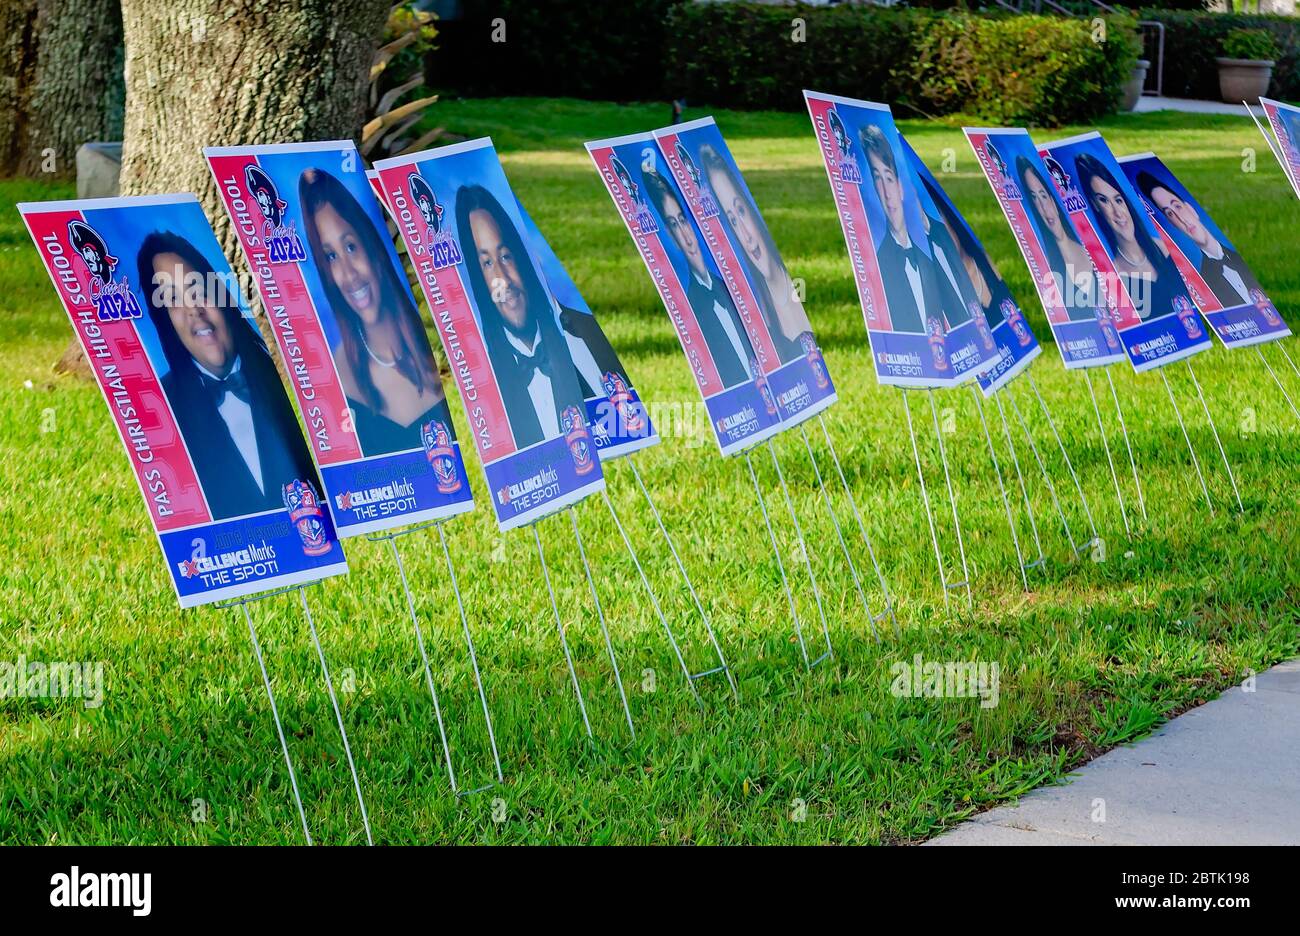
x=338, y=716
x=1042, y=468
x=1060, y=443
x=780, y=566
x=564, y=641
x=871, y=551
x=1041, y=561
x=672, y=547
x=1006, y=501
x=1217, y=441
x=952, y=499
x=600, y=614
x=1123, y=428
x=654, y=600
x=925, y=498
x=1286, y=396
x=807, y=557
x=1188, y=439
x=275, y=715
x=839, y=535
x=1105, y=442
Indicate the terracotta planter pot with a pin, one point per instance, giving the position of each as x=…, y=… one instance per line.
x=1243, y=79
x=1133, y=87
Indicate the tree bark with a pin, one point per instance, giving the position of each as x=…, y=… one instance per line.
x=226, y=72
x=60, y=82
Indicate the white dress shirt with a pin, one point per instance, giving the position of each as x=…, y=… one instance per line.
x=913, y=279
x=238, y=417
x=727, y=322
x=540, y=390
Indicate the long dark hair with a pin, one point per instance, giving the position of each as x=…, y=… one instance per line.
x=1055, y=259
x=471, y=198
x=248, y=342
x=711, y=161
x=1088, y=167
x=962, y=234
x=316, y=189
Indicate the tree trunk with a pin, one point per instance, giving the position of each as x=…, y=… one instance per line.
x=60, y=82
x=212, y=73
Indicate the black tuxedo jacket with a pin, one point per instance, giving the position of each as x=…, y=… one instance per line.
x=731, y=369
x=1212, y=273
x=904, y=314
x=228, y=482
x=586, y=329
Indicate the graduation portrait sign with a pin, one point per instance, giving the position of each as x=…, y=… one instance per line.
x=1073, y=295
x=349, y=332
x=619, y=420
x=210, y=433
x=1157, y=320
x=921, y=332
x=742, y=410
x=1285, y=121
x=1000, y=324
x=753, y=271
x=1221, y=284
x=499, y=328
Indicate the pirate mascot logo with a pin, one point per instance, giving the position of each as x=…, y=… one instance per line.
x=442, y=458
x=934, y=329
x=1011, y=313
x=305, y=514
x=1004, y=181
x=845, y=163
x=641, y=216
x=579, y=442
x=1073, y=199
x=443, y=248
x=814, y=355
x=705, y=204
x=112, y=300
x=765, y=391
x=1186, y=313
x=625, y=407
x=1265, y=307
x=282, y=241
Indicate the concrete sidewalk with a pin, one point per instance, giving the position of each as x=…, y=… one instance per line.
x=1225, y=773
x=1149, y=104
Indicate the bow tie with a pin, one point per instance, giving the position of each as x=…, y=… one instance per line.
x=912, y=256
x=235, y=383
x=539, y=361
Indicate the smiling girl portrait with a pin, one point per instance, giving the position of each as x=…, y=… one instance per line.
x=384, y=359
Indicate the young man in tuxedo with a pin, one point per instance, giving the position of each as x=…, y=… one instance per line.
x=1221, y=267
x=714, y=311
x=911, y=285
x=229, y=403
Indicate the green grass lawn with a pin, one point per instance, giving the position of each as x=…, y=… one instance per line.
x=1095, y=655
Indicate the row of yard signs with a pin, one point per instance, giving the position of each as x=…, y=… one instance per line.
x=245, y=505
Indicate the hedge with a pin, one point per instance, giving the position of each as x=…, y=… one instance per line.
x=993, y=67
x=998, y=68
x=561, y=48
x=1193, y=40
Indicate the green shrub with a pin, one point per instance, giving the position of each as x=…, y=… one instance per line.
x=1249, y=44
x=997, y=68
x=1022, y=69
x=1192, y=40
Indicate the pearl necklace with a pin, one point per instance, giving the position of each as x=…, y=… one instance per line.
x=375, y=357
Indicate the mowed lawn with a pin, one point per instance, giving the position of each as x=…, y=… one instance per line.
x=183, y=748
